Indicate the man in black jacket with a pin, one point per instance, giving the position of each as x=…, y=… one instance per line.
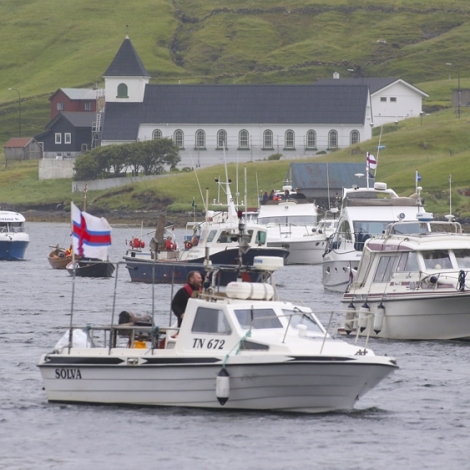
x=180, y=300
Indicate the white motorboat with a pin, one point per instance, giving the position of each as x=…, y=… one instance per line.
x=13, y=237
x=238, y=349
x=365, y=212
x=412, y=284
x=292, y=224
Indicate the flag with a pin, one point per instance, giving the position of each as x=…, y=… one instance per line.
x=91, y=235
x=418, y=176
x=371, y=161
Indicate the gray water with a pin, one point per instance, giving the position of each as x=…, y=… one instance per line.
x=418, y=418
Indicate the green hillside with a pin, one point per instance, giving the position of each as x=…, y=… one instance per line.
x=50, y=44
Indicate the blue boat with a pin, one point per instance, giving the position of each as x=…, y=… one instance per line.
x=13, y=238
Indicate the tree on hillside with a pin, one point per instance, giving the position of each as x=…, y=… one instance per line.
x=149, y=157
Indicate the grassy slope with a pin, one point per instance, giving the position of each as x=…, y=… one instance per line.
x=54, y=44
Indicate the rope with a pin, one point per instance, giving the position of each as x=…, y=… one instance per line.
x=242, y=340
x=461, y=281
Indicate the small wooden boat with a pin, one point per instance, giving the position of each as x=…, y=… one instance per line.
x=59, y=257
x=90, y=267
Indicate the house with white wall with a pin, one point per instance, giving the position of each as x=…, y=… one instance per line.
x=235, y=122
x=392, y=99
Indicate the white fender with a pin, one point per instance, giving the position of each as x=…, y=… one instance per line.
x=349, y=318
x=379, y=318
x=222, y=386
x=364, y=313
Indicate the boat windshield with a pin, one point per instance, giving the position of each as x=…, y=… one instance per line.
x=437, y=259
x=262, y=318
x=300, y=318
x=410, y=228
x=463, y=258
x=286, y=220
x=11, y=227
x=372, y=227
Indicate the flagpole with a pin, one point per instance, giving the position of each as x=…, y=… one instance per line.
x=450, y=194
x=73, y=287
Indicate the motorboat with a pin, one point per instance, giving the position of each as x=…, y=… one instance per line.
x=90, y=267
x=365, y=212
x=237, y=348
x=13, y=237
x=215, y=241
x=291, y=222
x=412, y=284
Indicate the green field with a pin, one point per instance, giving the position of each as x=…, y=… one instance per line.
x=50, y=44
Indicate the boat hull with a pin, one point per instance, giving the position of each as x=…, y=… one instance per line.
x=301, y=251
x=58, y=260
x=309, y=385
x=171, y=270
x=91, y=268
x=420, y=316
x=338, y=274
x=13, y=248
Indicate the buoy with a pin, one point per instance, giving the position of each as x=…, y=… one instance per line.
x=379, y=318
x=364, y=312
x=222, y=386
x=349, y=318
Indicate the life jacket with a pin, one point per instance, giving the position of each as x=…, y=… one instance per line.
x=189, y=289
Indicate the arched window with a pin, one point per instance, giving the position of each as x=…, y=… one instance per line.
x=243, y=139
x=222, y=139
x=333, y=139
x=311, y=139
x=289, y=140
x=156, y=134
x=354, y=137
x=122, y=91
x=178, y=138
x=268, y=139
x=200, y=139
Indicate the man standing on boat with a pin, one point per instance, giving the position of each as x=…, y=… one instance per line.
x=180, y=300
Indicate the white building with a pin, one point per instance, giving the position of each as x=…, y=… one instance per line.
x=250, y=121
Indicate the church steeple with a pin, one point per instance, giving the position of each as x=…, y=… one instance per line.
x=126, y=77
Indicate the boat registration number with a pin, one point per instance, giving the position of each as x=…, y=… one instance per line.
x=68, y=374
x=204, y=343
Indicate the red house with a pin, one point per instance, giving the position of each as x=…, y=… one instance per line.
x=76, y=100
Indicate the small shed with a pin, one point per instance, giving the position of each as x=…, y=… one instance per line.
x=22, y=148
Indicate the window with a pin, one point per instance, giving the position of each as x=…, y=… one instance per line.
x=463, y=258
x=263, y=318
x=408, y=262
x=268, y=139
x=243, y=137
x=156, y=134
x=311, y=139
x=178, y=138
x=354, y=137
x=299, y=318
x=222, y=139
x=200, y=139
x=60, y=106
x=385, y=268
x=67, y=138
x=289, y=140
x=437, y=259
x=208, y=320
x=58, y=138
x=122, y=91
x=88, y=106
x=393, y=100
x=211, y=235
x=84, y=147
x=333, y=139
x=383, y=98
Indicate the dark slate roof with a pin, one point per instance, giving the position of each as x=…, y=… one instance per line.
x=126, y=63
x=76, y=118
x=374, y=83
x=317, y=175
x=237, y=104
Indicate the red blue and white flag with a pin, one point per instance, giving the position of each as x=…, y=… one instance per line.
x=91, y=235
x=371, y=161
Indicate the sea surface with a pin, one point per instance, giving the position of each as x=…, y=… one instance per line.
x=418, y=418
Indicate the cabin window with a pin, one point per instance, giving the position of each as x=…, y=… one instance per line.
x=367, y=226
x=345, y=230
x=385, y=268
x=122, y=91
x=299, y=318
x=211, y=235
x=268, y=140
x=437, y=259
x=157, y=134
x=225, y=237
x=463, y=258
x=263, y=318
x=362, y=271
x=260, y=239
x=208, y=320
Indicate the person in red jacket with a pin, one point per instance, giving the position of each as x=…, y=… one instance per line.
x=180, y=300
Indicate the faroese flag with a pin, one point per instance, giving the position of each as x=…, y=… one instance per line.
x=91, y=235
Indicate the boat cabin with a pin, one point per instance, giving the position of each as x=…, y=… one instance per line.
x=11, y=222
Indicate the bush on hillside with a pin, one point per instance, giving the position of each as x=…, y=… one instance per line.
x=275, y=156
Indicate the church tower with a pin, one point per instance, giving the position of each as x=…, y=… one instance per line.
x=126, y=77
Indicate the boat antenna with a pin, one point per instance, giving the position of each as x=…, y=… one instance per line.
x=237, y=193
x=378, y=151
x=246, y=197
x=328, y=185
x=257, y=189
x=206, y=208
x=85, y=189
